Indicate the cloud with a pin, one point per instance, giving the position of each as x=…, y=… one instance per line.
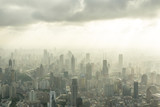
x=22, y=12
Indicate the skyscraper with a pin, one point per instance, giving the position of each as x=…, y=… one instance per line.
x=51, y=80
x=120, y=60
x=12, y=91
x=13, y=76
x=144, y=79
x=74, y=92
x=1, y=74
x=123, y=73
x=45, y=57
x=109, y=90
x=52, y=95
x=89, y=71
x=105, y=67
x=61, y=61
x=135, y=90
x=126, y=90
x=73, y=63
x=32, y=95
x=10, y=63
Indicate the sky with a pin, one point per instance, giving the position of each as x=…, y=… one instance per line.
x=80, y=23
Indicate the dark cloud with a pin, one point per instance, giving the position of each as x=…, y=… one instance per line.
x=22, y=12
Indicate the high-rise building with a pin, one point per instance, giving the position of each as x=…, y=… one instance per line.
x=109, y=90
x=66, y=74
x=105, y=68
x=135, y=90
x=67, y=64
x=13, y=76
x=120, y=60
x=45, y=57
x=12, y=91
x=82, y=83
x=14, y=62
x=32, y=95
x=79, y=102
x=61, y=62
x=5, y=91
x=51, y=81
x=123, y=73
x=1, y=74
x=0, y=89
x=126, y=90
x=35, y=84
x=158, y=79
x=10, y=63
x=89, y=71
x=73, y=63
x=41, y=70
x=74, y=92
x=144, y=79
x=52, y=99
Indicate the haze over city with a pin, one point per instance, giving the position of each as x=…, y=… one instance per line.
x=79, y=53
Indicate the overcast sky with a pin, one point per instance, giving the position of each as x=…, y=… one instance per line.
x=80, y=23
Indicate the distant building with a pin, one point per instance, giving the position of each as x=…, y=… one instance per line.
x=109, y=90
x=126, y=90
x=144, y=79
x=61, y=58
x=158, y=79
x=89, y=71
x=1, y=74
x=10, y=63
x=13, y=76
x=61, y=62
x=123, y=72
x=73, y=63
x=79, y=102
x=32, y=95
x=12, y=90
x=135, y=90
x=120, y=60
x=44, y=84
x=105, y=68
x=52, y=101
x=5, y=91
x=74, y=92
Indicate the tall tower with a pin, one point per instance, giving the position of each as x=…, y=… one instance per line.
x=1, y=74
x=144, y=79
x=123, y=73
x=73, y=63
x=61, y=60
x=45, y=57
x=120, y=60
x=12, y=91
x=105, y=67
x=32, y=95
x=135, y=90
x=89, y=71
x=13, y=76
x=10, y=63
x=52, y=95
x=109, y=90
x=74, y=92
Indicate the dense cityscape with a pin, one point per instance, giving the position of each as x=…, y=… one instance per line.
x=79, y=53
x=52, y=78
